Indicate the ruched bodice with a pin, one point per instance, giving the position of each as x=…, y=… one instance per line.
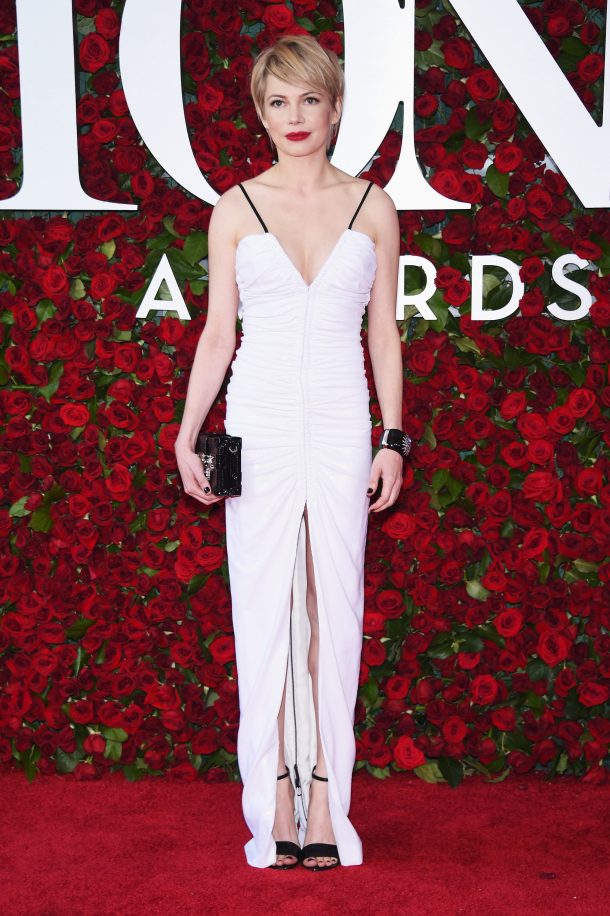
x=298, y=397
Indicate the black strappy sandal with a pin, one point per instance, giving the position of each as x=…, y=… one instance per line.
x=286, y=847
x=312, y=850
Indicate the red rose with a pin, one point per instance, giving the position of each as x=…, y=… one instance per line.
x=505, y=718
x=553, y=647
x=484, y=689
x=508, y=157
x=561, y=420
x=512, y=405
x=331, y=41
x=580, y=401
x=74, y=414
x=592, y=694
x=54, y=281
x=559, y=26
x=278, y=16
x=564, y=682
x=107, y=23
x=532, y=425
x=540, y=485
x=447, y=182
x=504, y=116
x=210, y=557
x=206, y=741
x=373, y=652
x=454, y=730
x=163, y=696
x=119, y=482
x=223, y=649
x=483, y=85
x=589, y=481
x=531, y=269
x=509, y=622
x=458, y=53
x=400, y=525
x=535, y=542
x=591, y=67
x=539, y=202
x=94, y=52
x=406, y=754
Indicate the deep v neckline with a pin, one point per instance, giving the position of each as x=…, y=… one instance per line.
x=291, y=263
x=295, y=268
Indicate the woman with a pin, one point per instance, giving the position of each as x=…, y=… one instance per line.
x=299, y=399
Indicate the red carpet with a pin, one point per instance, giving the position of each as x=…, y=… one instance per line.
x=524, y=846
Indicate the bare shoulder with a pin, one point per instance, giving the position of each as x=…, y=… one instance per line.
x=227, y=213
x=383, y=215
x=381, y=201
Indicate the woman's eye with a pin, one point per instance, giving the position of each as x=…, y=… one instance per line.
x=276, y=103
x=311, y=98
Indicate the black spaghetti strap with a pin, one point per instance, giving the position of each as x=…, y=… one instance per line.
x=260, y=219
x=371, y=183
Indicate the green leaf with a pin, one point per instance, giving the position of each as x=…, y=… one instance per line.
x=28, y=760
x=113, y=750
x=434, y=247
x=476, y=590
x=114, y=734
x=57, y=370
x=429, y=772
x=77, y=289
x=41, y=519
x=18, y=509
x=574, y=46
x=472, y=644
x=497, y=181
x=370, y=692
x=66, y=763
x=196, y=247
x=168, y=222
x=474, y=128
x=79, y=628
x=132, y=772
x=537, y=670
x=305, y=23
x=45, y=309
x=452, y=770
x=197, y=287
x=108, y=248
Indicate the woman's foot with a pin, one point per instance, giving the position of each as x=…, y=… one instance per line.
x=284, y=826
x=319, y=824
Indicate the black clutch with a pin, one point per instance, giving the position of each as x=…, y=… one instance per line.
x=221, y=457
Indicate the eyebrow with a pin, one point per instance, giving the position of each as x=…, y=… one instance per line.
x=278, y=95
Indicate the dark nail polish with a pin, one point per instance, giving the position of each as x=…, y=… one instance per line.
x=206, y=489
x=369, y=491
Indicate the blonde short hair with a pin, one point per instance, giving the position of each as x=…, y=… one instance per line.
x=298, y=59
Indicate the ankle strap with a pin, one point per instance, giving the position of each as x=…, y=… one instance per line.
x=284, y=775
x=321, y=778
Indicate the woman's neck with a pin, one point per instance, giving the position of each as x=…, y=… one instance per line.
x=303, y=174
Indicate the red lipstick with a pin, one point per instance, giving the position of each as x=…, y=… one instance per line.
x=300, y=135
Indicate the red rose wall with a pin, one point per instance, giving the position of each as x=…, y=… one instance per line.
x=487, y=619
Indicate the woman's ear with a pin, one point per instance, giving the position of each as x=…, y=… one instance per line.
x=338, y=111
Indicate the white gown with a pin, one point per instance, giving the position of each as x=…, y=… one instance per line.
x=298, y=397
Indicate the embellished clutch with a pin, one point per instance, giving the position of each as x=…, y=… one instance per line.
x=221, y=458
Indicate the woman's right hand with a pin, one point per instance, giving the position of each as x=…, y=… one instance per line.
x=193, y=478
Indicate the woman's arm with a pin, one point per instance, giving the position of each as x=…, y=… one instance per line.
x=385, y=345
x=215, y=347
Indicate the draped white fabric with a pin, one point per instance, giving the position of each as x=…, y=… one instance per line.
x=299, y=398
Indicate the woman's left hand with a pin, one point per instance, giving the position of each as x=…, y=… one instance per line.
x=387, y=465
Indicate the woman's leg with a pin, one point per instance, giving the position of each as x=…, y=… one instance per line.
x=319, y=824
x=284, y=826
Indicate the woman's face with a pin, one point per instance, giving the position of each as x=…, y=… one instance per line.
x=298, y=118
